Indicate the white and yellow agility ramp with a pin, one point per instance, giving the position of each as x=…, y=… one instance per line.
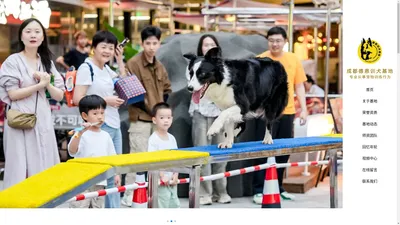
x=61, y=182
x=65, y=181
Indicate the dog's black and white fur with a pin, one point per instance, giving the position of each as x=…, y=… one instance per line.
x=242, y=89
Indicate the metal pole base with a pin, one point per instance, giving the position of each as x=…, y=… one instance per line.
x=333, y=178
x=194, y=186
x=153, y=189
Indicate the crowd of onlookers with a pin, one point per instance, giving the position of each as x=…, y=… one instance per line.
x=27, y=76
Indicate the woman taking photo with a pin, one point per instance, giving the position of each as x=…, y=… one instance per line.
x=24, y=79
x=95, y=77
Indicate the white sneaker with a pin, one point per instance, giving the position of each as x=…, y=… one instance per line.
x=224, y=199
x=127, y=200
x=205, y=201
x=257, y=198
x=287, y=196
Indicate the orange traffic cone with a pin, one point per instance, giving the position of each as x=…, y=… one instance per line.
x=139, y=199
x=271, y=194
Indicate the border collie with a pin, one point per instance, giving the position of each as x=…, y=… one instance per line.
x=242, y=89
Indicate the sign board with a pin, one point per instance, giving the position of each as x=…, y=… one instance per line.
x=22, y=11
x=66, y=118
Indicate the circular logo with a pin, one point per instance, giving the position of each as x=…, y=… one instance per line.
x=369, y=51
x=69, y=84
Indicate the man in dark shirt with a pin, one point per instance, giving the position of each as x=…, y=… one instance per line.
x=76, y=56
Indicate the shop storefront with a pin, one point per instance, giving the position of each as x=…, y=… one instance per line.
x=57, y=17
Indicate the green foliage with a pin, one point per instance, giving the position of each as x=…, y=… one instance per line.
x=129, y=49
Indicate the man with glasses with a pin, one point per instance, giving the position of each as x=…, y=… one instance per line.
x=283, y=128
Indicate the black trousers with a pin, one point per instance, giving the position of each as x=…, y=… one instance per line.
x=282, y=128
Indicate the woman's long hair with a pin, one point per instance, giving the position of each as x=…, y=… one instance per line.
x=43, y=50
x=200, y=45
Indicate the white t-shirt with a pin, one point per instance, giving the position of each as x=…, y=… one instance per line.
x=156, y=143
x=102, y=86
x=315, y=90
x=94, y=144
x=205, y=107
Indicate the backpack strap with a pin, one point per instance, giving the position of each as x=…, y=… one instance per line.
x=91, y=70
x=110, y=71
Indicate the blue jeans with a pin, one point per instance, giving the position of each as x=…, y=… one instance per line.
x=113, y=200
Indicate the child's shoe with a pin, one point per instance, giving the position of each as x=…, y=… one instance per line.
x=127, y=200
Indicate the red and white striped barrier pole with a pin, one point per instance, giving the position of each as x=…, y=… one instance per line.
x=255, y=168
x=206, y=178
x=104, y=192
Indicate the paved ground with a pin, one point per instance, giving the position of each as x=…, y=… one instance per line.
x=314, y=198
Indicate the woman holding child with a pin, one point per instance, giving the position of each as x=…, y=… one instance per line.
x=24, y=79
x=96, y=77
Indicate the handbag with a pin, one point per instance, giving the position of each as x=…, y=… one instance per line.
x=130, y=89
x=20, y=120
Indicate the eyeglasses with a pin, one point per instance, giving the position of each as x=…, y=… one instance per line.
x=278, y=41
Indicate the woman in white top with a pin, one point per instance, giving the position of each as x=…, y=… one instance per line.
x=95, y=77
x=204, y=115
x=312, y=88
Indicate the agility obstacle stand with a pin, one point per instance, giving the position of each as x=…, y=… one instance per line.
x=65, y=181
x=212, y=177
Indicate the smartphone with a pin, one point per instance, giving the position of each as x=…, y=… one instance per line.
x=124, y=42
